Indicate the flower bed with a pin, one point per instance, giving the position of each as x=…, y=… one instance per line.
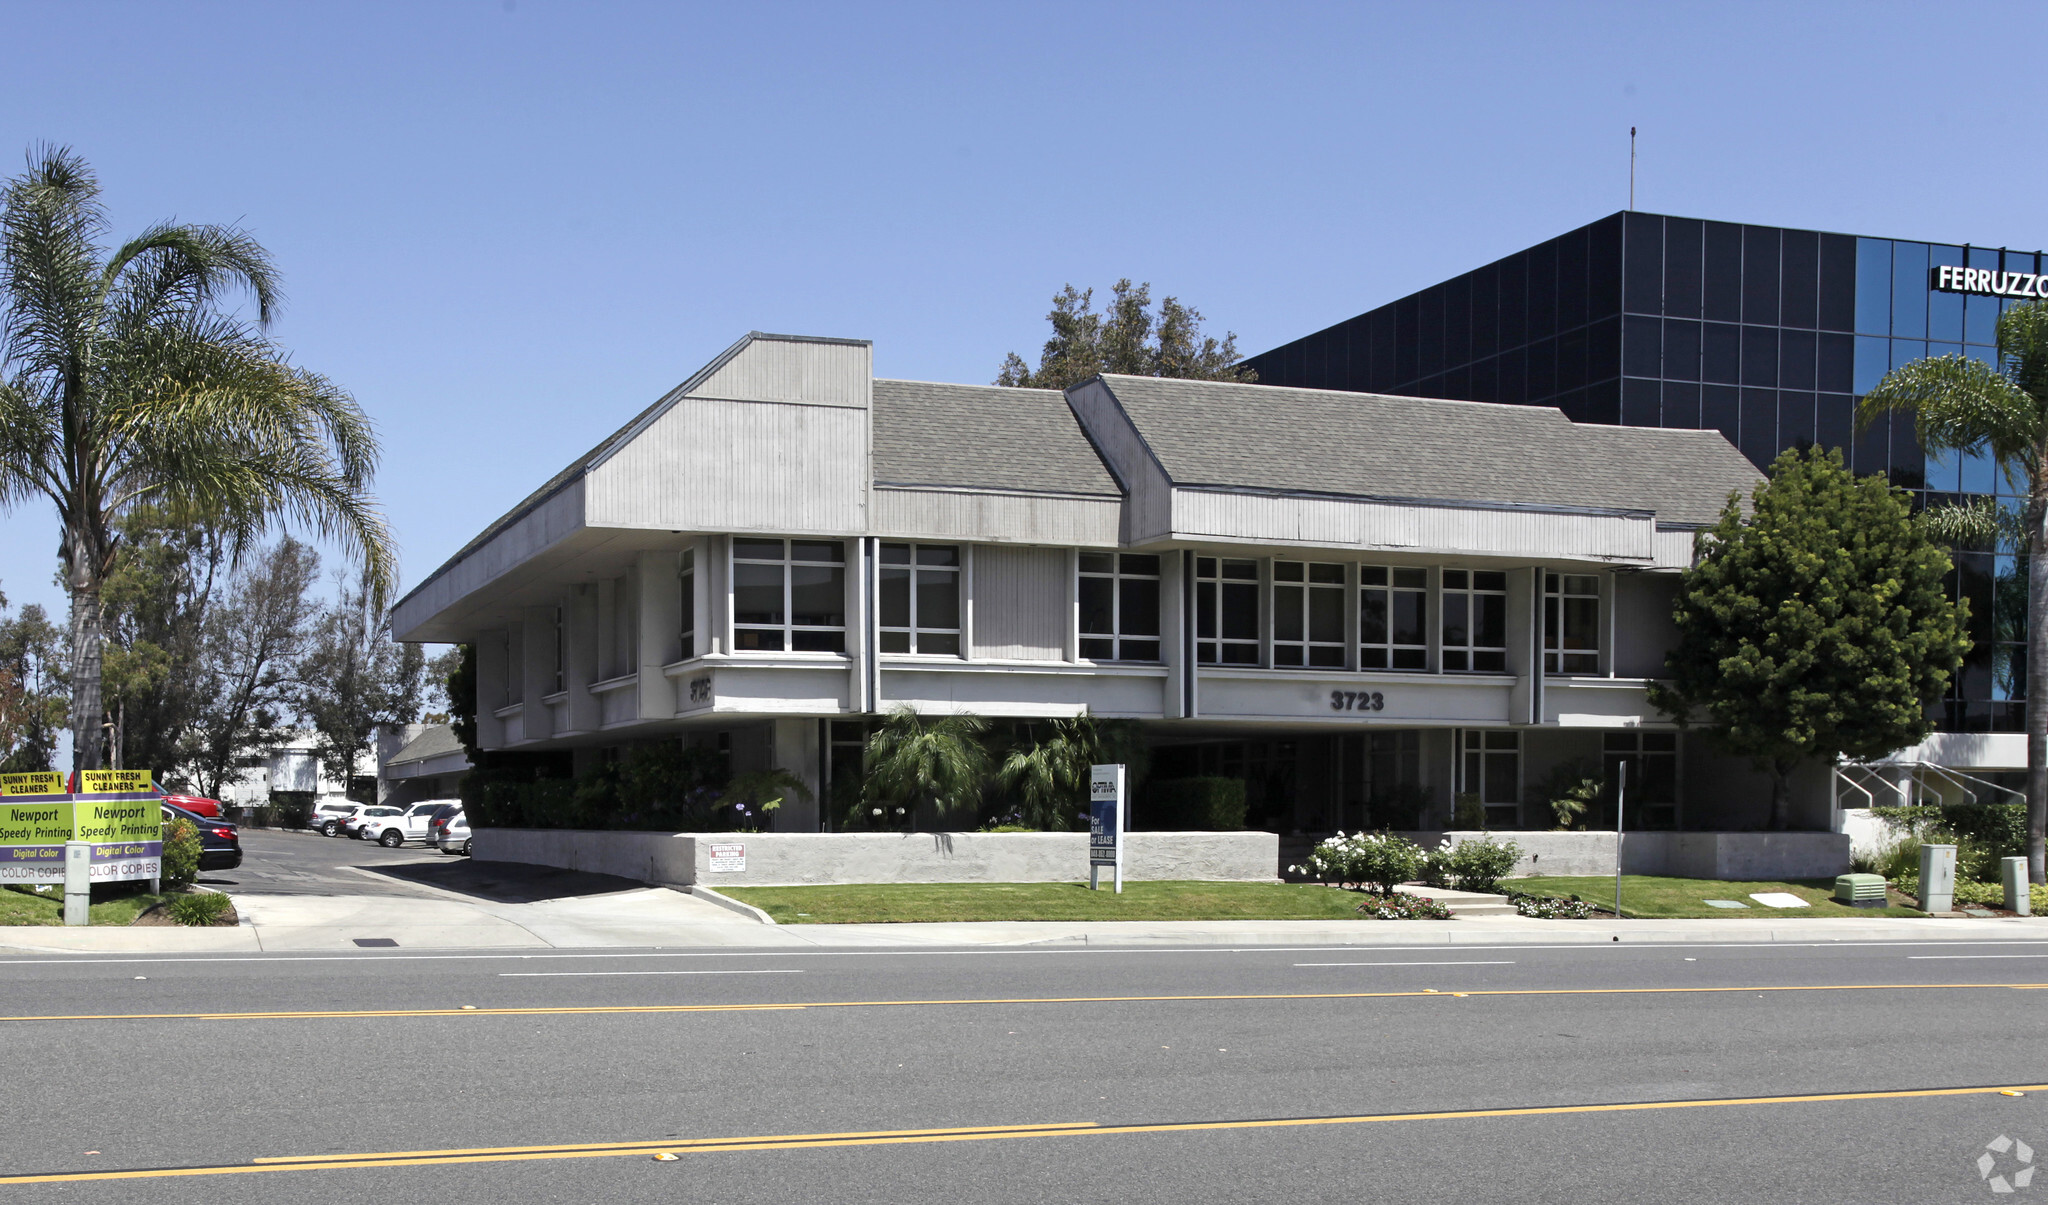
x=1399, y=905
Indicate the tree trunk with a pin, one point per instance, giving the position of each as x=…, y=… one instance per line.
x=2037, y=687
x=1781, y=792
x=87, y=736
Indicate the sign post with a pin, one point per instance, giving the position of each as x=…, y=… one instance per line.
x=1620, y=801
x=1106, y=821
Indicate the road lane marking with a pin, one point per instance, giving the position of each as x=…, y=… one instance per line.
x=800, y=1005
x=1498, y=962
x=1951, y=957
x=592, y=974
x=1081, y=1129
x=1099, y=950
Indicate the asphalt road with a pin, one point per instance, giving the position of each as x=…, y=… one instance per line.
x=1155, y=1075
x=305, y=863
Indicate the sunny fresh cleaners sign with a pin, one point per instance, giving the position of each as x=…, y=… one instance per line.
x=117, y=811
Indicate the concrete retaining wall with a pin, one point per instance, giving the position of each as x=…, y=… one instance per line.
x=778, y=859
x=1739, y=856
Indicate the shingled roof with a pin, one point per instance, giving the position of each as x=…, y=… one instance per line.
x=1360, y=444
x=983, y=437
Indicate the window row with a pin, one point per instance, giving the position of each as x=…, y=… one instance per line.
x=790, y=595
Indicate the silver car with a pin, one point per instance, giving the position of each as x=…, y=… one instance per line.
x=454, y=838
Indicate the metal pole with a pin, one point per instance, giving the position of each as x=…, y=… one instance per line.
x=1620, y=800
x=1631, y=167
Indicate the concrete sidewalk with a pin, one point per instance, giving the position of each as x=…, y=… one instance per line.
x=657, y=917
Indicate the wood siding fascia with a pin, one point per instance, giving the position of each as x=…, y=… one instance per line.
x=550, y=523
x=1020, y=603
x=983, y=517
x=1370, y=525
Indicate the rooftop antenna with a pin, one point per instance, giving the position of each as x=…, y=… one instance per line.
x=1631, y=167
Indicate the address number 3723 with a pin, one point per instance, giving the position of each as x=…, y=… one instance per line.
x=1357, y=700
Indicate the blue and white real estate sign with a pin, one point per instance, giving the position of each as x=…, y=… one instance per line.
x=1106, y=816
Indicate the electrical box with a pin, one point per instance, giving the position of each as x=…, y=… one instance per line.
x=1860, y=890
x=1937, y=878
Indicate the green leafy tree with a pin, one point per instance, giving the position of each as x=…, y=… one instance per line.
x=352, y=678
x=33, y=693
x=1817, y=626
x=1128, y=338
x=247, y=676
x=2000, y=410
x=928, y=767
x=128, y=379
x=155, y=605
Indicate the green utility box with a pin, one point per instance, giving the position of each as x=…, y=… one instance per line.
x=1860, y=890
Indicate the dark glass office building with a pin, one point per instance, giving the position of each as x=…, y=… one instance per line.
x=1766, y=334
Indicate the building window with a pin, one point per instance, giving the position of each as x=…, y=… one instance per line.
x=1475, y=606
x=1652, y=760
x=561, y=655
x=1308, y=614
x=1226, y=611
x=1119, y=594
x=1393, y=623
x=1493, y=771
x=686, y=626
x=920, y=604
x=788, y=595
x=1571, y=623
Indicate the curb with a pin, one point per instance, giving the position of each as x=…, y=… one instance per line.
x=730, y=904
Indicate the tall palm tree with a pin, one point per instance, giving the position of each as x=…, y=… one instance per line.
x=1050, y=776
x=2000, y=410
x=131, y=378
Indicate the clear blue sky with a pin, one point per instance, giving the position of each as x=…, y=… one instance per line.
x=508, y=225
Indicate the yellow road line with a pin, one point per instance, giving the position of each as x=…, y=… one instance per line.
x=605, y=1009
x=676, y=1144
x=777, y=1142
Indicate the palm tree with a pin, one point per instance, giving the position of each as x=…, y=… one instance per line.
x=2000, y=410
x=130, y=379
x=937, y=766
x=1050, y=777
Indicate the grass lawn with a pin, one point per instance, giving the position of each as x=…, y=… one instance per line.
x=1647, y=896
x=872, y=903
x=18, y=907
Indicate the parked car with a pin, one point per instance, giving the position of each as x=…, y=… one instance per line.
x=220, y=843
x=453, y=835
x=328, y=817
x=353, y=825
x=392, y=831
x=198, y=805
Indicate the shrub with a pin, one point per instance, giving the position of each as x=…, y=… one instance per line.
x=1436, y=868
x=199, y=908
x=1481, y=865
x=1571, y=789
x=1399, y=905
x=181, y=854
x=1467, y=812
x=1208, y=805
x=1550, y=907
x=1377, y=861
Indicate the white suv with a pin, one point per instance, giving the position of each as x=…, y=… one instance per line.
x=329, y=817
x=398, y=825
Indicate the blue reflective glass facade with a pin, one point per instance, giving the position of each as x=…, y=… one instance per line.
x=1765, y=334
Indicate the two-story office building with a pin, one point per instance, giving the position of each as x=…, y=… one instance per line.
x=1332, y=595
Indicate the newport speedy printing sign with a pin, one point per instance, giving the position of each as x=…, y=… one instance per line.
x=1987, y=282
x=117, y=812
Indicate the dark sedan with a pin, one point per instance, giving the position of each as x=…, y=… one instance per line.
x=220, y=844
